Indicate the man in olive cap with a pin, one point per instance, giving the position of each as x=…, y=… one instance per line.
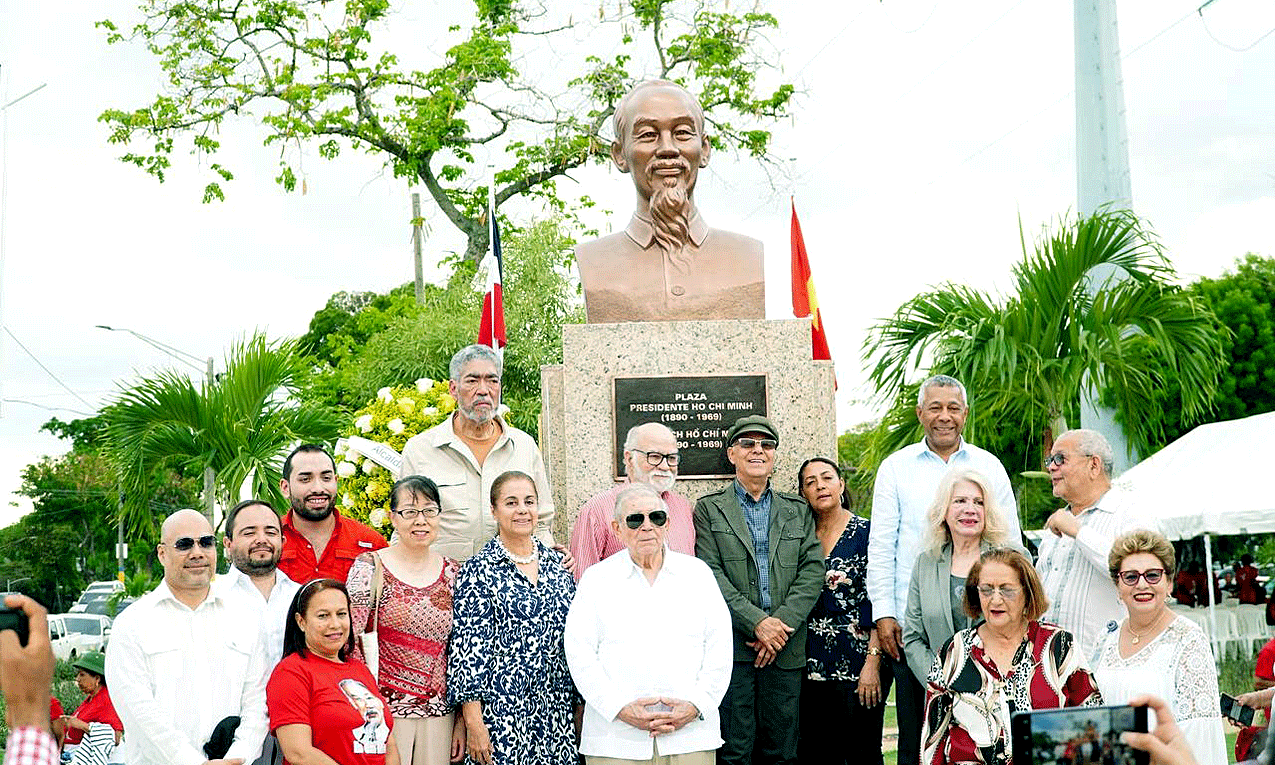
x=760, y=544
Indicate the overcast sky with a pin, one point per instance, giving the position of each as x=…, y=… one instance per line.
x=923, y=132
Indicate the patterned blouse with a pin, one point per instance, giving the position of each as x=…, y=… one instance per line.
x=968, y=702
x=413, y=627
x=841, y=621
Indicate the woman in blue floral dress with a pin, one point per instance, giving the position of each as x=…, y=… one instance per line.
x=507, y=669
x=843, y=693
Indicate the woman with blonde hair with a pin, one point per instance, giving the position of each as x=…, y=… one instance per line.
x=963, y=521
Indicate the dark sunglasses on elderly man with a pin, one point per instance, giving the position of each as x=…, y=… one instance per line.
x=183, y=544
x=635, y=520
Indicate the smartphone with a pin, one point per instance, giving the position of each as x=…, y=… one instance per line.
x=1077, y=736
x=1232, y=709
x=16, y=620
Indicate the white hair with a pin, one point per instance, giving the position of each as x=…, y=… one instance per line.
x=637, y=490
x=940, y=381
x=1091, y=443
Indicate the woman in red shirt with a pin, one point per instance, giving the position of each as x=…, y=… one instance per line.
x=90, y=676
x=324, y=706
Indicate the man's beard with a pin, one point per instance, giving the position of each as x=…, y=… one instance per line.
x=660, y=483
x=300, y=508
x=670, y=214
x=246, y=564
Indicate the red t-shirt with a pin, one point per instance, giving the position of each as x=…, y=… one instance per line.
x=350, y=539
x=96, y=708
x=348, y=719
x=55, y=709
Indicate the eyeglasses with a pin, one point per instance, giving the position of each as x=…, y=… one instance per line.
x=1152, y=575
x=635, y=520
x=655, y=458
x=1007, y=591
x=412, y=513
x=183, y=544
x=767, y=444
x=1057, y=458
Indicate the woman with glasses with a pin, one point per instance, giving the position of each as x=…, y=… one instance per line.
x=1006, y=660
x=962, y=523
x=507, y=669
x=410, y=606
x=843, y=692
x=1156, y=651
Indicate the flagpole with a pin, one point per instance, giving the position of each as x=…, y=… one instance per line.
x=491, y=248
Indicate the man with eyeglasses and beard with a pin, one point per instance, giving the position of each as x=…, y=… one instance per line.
x=648, y=641
x=318, y=542
x=185, y=665
x=760, y=544
x=667, y=264
x=651, y=458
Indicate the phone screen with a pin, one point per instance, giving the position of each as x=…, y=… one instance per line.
x=1077, y=736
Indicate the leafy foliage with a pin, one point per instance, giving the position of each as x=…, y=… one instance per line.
x=1027, y=358
x=240, y=425
x=311, y=73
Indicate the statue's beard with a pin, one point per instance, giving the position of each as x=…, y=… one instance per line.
x=670, y=214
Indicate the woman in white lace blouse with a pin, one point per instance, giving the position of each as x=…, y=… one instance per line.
x=1156, y=651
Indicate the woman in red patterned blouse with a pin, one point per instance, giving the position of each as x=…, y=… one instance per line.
x=1008, y=662
x=413, y=622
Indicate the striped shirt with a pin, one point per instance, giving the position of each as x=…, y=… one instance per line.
x=757, y=516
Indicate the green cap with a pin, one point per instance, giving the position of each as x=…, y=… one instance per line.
x=753, y=423
x=94, y=662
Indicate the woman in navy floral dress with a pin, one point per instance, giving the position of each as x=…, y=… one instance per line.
x=843, y=693
x=507, y=669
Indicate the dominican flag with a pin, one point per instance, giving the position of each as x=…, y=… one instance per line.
x=804, y=302
x=491, y=328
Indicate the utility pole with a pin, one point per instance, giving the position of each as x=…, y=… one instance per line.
x=1102, y=166
x=416, y=248
x=210, y=477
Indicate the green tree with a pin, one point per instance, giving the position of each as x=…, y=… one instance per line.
x=390, y=340
x=1028, y=357
x=240, y=425
x=310, y=75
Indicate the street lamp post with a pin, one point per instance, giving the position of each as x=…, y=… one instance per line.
x=8, y=585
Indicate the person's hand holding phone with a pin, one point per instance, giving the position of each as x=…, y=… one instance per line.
x=1166, y=745
x=26, y=672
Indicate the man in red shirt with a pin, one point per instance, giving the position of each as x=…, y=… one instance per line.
x=317, y=541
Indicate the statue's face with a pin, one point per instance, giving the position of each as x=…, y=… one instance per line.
x=662, y=144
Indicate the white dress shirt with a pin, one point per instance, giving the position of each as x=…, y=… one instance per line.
x=627, y=638
x=1082, y=598
x=235, y=584
x=901, y=499
x=175, y=672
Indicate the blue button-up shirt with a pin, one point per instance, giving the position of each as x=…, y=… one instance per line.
x=757, y=516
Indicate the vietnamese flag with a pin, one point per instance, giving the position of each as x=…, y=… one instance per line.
x=804, y=302
x=491, y=328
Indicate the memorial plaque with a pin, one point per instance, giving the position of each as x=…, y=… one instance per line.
x=699, y=410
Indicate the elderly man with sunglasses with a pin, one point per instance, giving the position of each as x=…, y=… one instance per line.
x=761, y=545
x=649, y=646
x=184, y=661
x=651, y=458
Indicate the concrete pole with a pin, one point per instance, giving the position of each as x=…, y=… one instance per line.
x=416, y=248
x=210, y=475
x=1102, y=165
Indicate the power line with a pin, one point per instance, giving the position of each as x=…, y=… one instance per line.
x=46, y=407
x=48, y=371
x=1229, y=47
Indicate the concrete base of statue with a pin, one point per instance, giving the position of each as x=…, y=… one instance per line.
x=761, y=364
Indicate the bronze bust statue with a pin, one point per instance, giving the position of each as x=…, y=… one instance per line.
x=667, y=264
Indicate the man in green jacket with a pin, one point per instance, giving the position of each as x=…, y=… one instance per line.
x=761, y=545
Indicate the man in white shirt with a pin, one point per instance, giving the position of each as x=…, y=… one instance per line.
x=1073, y=559
x=254, y=543
x=183, y=658
x=648, y=640
x=904, y=490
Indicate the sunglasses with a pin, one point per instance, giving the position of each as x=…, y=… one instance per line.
x=635, y=520
x=183, y=544
x=1007, y=591
x=1152, y=575
x=767, y=444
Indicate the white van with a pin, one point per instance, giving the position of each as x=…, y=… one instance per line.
x=68, y=644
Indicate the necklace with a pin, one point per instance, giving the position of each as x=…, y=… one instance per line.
x=521, y=560
x=1136, y=637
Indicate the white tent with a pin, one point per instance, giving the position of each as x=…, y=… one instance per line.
x=1213, y=480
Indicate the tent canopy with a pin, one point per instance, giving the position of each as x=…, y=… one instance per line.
x=1214, y=480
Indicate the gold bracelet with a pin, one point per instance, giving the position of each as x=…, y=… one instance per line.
x=874, y=651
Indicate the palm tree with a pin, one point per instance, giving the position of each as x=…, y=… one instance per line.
x=1026, y=359
x=239, y=425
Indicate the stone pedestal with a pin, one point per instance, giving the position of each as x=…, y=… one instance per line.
x=577, y=430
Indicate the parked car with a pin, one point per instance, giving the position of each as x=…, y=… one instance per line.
x=94, y=628
x=97, y=591
x=67, y=644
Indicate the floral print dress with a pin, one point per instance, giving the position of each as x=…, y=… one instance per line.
x=841, y=621
x=507, y=652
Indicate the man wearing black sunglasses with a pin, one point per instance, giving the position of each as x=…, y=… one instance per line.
x=184, y=660
x=761, y=545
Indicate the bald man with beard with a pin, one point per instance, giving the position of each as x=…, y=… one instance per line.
x=667, y=264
